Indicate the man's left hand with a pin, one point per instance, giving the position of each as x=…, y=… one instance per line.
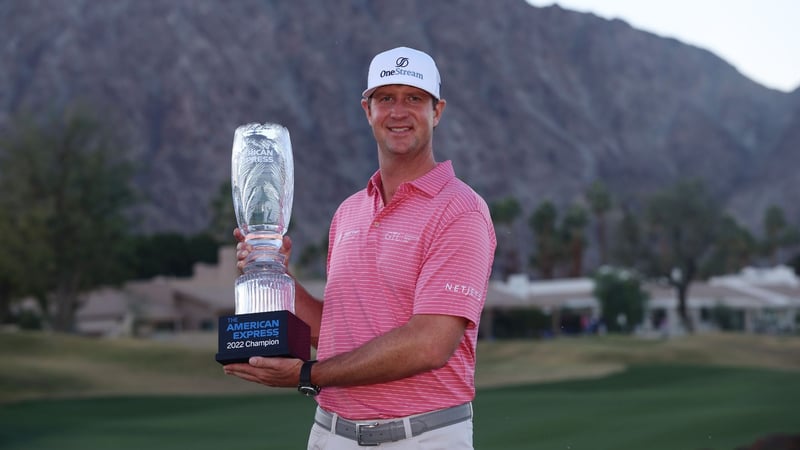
x=276, y=372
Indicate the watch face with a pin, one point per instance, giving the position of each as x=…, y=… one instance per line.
x=310, y=391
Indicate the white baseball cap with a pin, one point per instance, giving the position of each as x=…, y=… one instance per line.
x=403, y=65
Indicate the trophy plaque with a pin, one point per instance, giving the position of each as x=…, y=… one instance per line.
x=262, y=181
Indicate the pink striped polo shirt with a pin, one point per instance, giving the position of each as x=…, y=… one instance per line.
x=429, y=251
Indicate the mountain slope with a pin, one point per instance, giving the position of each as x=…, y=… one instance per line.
x=541, y=101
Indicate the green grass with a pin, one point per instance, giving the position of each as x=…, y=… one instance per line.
x=40, y=365
x=650, y=407
x=646, y=407
x=717, y=391
x=154, y=423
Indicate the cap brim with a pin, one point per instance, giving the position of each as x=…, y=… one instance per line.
x=367, y=93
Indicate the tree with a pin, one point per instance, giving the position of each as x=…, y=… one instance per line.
x=735, y=248
x=548, y=249
x=10, y=269
x=628, y=249
x=223, y=217
x=169, y=254
x=620, y=293
x=684, y=222
x=504, y=213
x=67, y=183
x=573, y=229
x=600, y=203
x=778, y=233
x=794, y=263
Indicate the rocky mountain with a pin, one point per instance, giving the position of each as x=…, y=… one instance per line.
x=541, y=101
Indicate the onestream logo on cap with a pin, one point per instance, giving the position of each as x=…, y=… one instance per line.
x=403, y=65
x=399, y=70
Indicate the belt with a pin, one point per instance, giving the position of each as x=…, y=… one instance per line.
x=367, y=432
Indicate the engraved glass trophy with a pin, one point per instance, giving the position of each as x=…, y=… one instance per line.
x=262, y=180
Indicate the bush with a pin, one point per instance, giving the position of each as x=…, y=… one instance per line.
x=795, y=263
x=169, y=254
x=520, y=323
x=29, y=320
x=622, y=298
x=727, y=318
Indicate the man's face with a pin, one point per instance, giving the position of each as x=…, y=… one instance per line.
x=402, y=119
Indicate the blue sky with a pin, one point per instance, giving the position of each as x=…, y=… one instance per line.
x=761, y=38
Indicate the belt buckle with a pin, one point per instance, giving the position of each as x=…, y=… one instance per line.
x=358, y=434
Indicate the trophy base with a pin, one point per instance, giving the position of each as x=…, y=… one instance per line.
x=275, y=333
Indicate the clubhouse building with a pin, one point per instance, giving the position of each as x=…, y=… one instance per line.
x=761, y=301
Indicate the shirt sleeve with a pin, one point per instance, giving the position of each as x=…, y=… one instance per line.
x=455, y=273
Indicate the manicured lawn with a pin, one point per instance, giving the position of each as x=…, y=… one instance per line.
x=650, y=407
x=646, y=407
x=154, y=423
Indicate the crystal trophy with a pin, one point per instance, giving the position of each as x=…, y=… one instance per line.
x=262, y=181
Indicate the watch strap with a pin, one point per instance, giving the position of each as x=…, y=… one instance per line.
x=305, y=386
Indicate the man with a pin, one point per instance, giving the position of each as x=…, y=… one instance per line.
x=408, y=268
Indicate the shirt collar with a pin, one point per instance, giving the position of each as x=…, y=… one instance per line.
x=430, y=183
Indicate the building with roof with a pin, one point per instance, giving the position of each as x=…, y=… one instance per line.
x=759, y=300
x=167, y=305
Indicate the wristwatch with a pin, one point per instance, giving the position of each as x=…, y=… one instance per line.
x=306, y=387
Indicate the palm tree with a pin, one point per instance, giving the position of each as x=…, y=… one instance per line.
x=572, y=229
x=504, y=213
x=600, y=203
x=777, y=232
x=543, y=223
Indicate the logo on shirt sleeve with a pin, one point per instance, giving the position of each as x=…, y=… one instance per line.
x=463, y=289
x=345, y=236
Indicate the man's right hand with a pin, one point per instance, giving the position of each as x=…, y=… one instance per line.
x=243, y=249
